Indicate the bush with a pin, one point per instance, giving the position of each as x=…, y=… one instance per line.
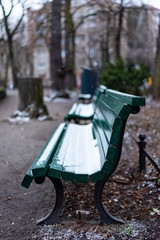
x=124, y=77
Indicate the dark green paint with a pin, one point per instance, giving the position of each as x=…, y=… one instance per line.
x=107, y=125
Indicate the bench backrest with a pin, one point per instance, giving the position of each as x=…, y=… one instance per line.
x=111, y=113
x=101, y=89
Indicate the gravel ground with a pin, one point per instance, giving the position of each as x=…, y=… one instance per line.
x=131, y=196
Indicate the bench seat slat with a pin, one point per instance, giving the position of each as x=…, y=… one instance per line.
x=85, y=96
x=85, y=110
x=74, y=160
x=28, y=178
x=73, y=108
x=40, y=166
x=56, y=165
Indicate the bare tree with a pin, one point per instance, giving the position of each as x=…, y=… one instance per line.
x=10, y=32
x=69, y=46
x=157, y=78
x=4, y=60
x=58, y=71
x=119, y=29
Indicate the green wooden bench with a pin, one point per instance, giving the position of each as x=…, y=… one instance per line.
x=83, y=153
x=85, y=97
x=82, y=111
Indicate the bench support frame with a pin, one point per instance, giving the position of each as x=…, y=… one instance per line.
x=105, y=216
x=53, y=217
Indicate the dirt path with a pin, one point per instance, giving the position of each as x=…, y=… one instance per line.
x=19, y=145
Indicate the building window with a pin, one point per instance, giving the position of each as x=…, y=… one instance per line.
x=41, y=53
x=63, y=42
x=83, y=49
x=42, y=65
x=40, y=18
x=63, y=53
x=92, y=24
x=77, y=40
x=92, y=52
x=40, y=41
x=84, y=26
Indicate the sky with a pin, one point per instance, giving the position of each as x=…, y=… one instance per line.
x=34, y=3
x=154, y=3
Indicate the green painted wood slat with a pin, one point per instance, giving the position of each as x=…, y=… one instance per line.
x=39, y=169
x=127, y=98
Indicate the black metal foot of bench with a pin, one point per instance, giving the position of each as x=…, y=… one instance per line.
x=53, y=217
x=105, y=216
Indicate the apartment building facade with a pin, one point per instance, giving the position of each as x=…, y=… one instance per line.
x=95, y=32
x=39, y=40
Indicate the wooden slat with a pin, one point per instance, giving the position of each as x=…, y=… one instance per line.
x=28, y=178
x=127, y=98
x=77, y=156
x=118, y=108
x=111, y=132
x=56, y=165
x=40, y=165
x=106, y=150
x=85, y=111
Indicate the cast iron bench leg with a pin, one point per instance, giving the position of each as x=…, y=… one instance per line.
x=105, y=216
x=52, y=217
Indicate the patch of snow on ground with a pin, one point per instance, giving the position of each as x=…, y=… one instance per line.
x=19, y=116
x=131, y=230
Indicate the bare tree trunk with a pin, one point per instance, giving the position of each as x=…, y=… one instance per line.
x=57, y=81
x=157, y=81
x=69, y=46
x=119, y=31
x=31, y=97
x=12, y=62
x=10, y=34
x=105, y=42
x=157, y=78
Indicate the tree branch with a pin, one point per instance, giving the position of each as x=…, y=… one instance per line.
x=82, y=20
x=20, y=20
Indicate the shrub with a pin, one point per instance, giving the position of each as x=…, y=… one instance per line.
x=125, y=77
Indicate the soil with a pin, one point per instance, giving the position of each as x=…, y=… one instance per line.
x=128, y=194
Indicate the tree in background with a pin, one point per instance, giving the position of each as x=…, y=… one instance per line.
x=157, y=78
x=57, y=67
x=119, y=29
x=69, y=46
x=10, y=33
x=4, y=59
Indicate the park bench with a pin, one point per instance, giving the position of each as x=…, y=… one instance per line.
x=85, y=97
x=88, y=152
x=84, y=111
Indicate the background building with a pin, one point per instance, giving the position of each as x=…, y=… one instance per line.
x=95, y=29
